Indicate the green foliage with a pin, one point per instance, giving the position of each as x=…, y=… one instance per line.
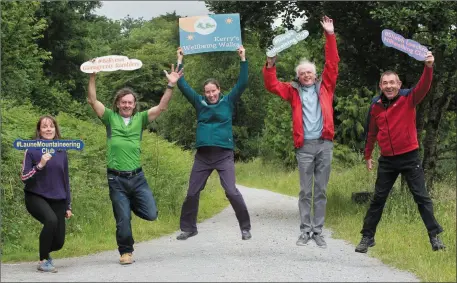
x=351, y=113
x=65, y=37
x=277, y=141
x=21, y=57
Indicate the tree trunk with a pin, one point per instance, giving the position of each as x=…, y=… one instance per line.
x=421, y=111
x=437, y=107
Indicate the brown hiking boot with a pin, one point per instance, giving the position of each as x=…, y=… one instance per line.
x=126, y=258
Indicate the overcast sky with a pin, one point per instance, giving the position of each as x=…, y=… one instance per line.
x=117, y=10
x=150, y=9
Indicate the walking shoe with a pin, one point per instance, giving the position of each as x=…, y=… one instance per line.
x=185, y=235
x=126, y=258
x=364, y=244
x=50, y=260
x=436, y=243
x=245, y=235
x=46, y=266
x=319, y=239
x=303, y=239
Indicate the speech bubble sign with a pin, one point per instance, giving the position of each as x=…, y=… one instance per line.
x=286, y=40
x=110, y=63
x=410, y=47
x=48, y=146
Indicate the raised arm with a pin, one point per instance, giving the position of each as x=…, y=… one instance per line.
x=183, y=86
x=330, y=73
x=419, y=92
x=271, y=82
x=172, y=77
x=98, y=107
x=242, y=82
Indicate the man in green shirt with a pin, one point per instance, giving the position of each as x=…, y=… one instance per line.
x=128, y=188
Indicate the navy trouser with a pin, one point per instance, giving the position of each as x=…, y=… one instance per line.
x=408, y=164
x=51, y=213
x=206, y=160
x=130, y=194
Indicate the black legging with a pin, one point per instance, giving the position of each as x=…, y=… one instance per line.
x=51, y=213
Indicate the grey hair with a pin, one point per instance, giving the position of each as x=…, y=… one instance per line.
x=305, y=63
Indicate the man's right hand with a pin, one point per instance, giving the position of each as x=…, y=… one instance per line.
x=327, y=24
x=174, y=75
x=271, y=61
x=369, y=164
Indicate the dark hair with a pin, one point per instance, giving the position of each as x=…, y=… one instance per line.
x=386, y=73
x=121, y=93
x=38, y=126
x=211, y=81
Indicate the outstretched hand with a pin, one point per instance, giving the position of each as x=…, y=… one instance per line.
x=271, y=61
x=327, y=24
x=174, y=75
x=92, y=75
x=242, y=52
x=429, y=59
x=179, y=54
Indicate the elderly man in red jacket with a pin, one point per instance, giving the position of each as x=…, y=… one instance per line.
x=392, y=123
x=313, y=130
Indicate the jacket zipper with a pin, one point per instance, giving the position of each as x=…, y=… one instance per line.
x=388, y=132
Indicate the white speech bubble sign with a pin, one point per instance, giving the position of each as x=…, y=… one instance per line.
x=110, y=63
x=286, y=40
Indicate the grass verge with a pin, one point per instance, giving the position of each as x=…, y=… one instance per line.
x=401, y=239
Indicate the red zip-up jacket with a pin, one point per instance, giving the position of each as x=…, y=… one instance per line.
x=289, y=91
x=394, y=126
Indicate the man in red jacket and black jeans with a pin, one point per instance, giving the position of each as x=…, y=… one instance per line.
x=313, y=131
x=392, y=122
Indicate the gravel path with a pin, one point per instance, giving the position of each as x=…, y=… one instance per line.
x=217, y=253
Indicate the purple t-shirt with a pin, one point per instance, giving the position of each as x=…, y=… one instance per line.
x=52, y=181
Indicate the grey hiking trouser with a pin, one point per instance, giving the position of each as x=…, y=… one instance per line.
x=314, y=160
x=206, y=160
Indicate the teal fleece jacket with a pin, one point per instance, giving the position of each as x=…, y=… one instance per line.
x=214, y=121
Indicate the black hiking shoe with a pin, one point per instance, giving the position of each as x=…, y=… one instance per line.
x=437, y=244
x=245, y=235
x=185, y=235
x=364, y=244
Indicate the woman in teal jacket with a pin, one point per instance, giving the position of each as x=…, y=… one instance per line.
x=214, y=147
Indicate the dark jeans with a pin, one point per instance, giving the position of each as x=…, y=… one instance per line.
x=206, y=160
x=130, y=194
x=51, y=213
x=409, y=165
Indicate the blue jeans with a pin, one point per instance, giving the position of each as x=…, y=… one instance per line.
x=130, y=194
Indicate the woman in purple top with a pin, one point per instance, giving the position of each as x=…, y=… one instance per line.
x=47, y=191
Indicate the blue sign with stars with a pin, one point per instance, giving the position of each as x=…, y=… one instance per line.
x=211, y=33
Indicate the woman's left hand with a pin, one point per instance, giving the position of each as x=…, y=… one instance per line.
x=242, y=53
x=68, y=214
